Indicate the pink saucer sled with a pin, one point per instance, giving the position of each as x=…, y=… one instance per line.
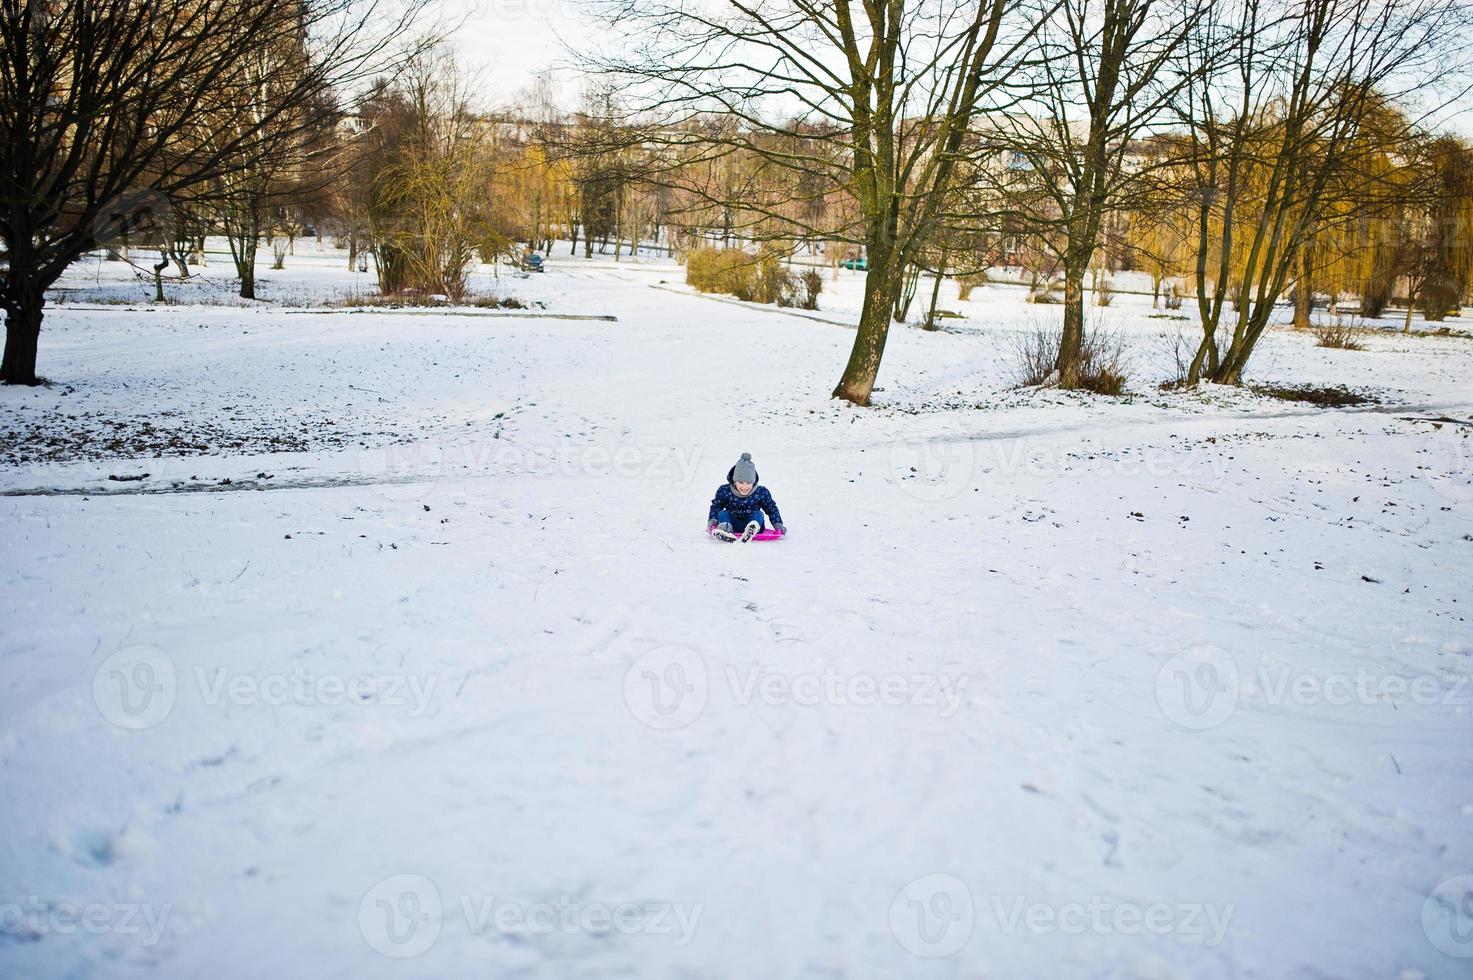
x=766, y=534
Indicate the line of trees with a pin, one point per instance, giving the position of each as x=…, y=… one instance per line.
x=1241, y=136
x=1241, y=152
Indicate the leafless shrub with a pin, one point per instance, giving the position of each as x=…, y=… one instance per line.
x=1103, y=370
x=812, y=286
x=1035, y=352
x=1341, y=333
x=1181, y=349
x=1102, y=367
x=415, y=298
x=775, y=283
x=1171, y=295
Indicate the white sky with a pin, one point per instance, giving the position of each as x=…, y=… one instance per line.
x=507, y=43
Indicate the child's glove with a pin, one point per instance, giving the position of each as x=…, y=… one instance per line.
x=710, y=526
x=780, y=529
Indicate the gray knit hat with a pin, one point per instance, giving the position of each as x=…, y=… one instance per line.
x=744, y=471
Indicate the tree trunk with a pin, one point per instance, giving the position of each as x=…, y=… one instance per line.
x=1228, y=375
x=1205, y=360
x=1250, y=327
x=910, y=278
x=1301, y=308
x=158, y=277
x=245, y=267
x=22, y=333
x=1071, y=342
x=244, y=241
x=881, y=286
x=1304, y=291
x=930, y=323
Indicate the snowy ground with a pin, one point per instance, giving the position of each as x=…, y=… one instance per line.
x=408, y=658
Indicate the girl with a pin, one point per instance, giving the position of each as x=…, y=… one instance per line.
x=739, y=502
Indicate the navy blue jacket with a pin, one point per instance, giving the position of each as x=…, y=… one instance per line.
x=743, y=509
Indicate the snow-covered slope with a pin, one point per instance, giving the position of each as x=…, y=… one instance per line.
x=445, y=681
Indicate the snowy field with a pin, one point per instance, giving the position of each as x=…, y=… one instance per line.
x=383, y=643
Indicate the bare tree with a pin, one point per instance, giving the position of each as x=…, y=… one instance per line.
x=876, y=99
x=1272, y=124
x=1104, y=80
x=431, y=175
x=287, y=161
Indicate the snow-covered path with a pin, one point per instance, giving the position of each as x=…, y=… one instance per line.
x=1174, y=686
